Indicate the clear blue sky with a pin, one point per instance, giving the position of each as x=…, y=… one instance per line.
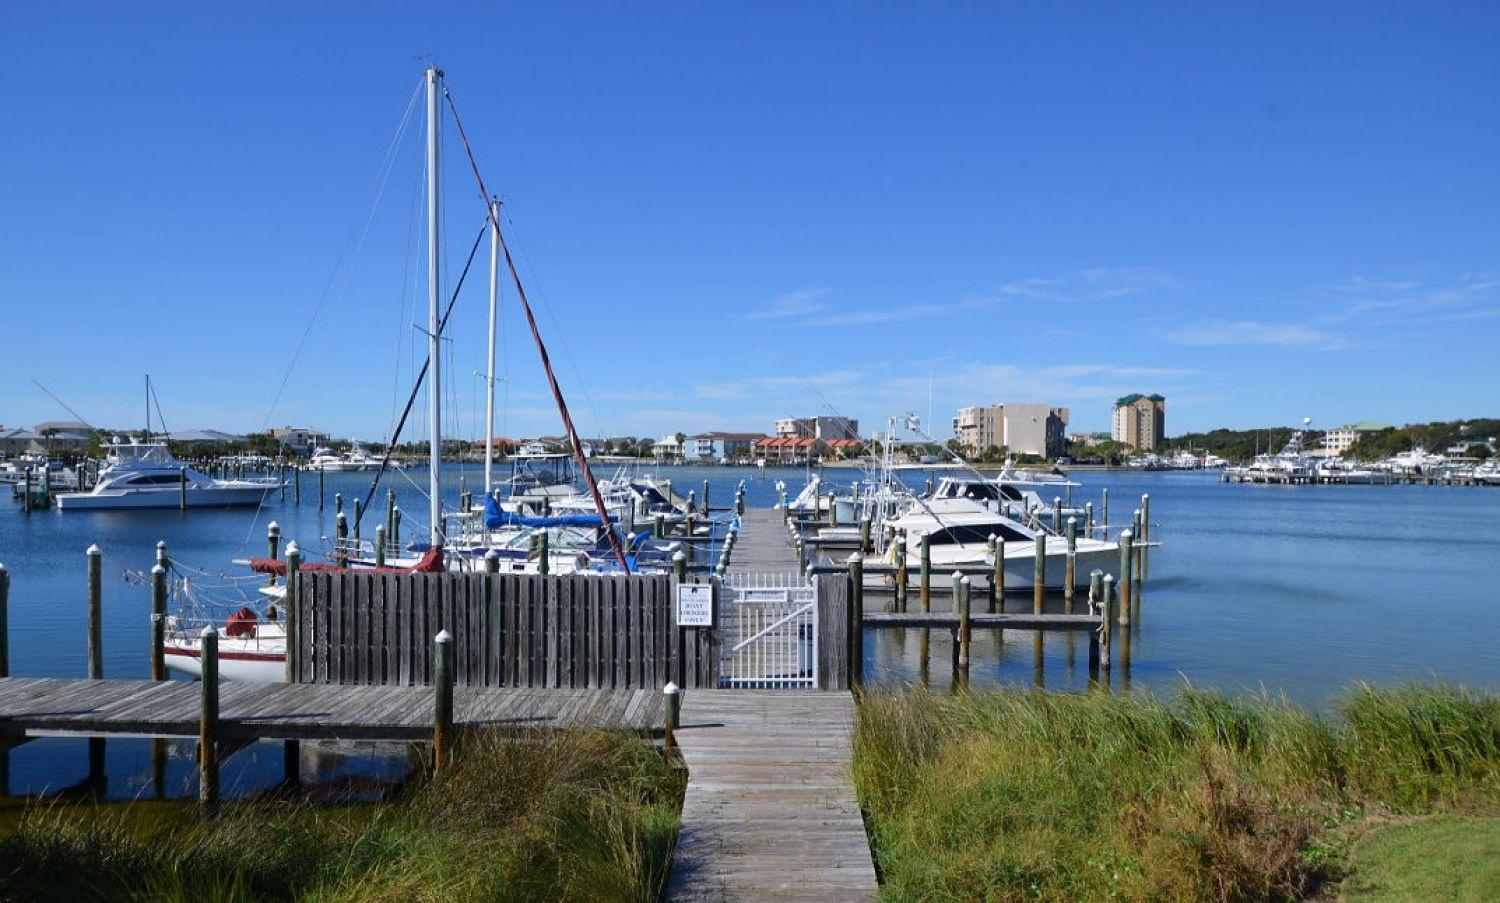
x=732, y=212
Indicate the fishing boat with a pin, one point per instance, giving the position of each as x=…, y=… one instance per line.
x=958, y=531
x=144, y=474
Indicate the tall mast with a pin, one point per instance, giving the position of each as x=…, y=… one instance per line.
x=434, y=351
x=489, y=375
x=148, y=408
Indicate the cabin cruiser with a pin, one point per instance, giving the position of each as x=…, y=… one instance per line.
x=328, y=461
x=1005, y=493
x=1290, y=465
x=145, y=475
x=958, y=531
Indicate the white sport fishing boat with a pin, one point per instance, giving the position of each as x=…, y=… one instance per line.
x=958, y=531
x=145, y=475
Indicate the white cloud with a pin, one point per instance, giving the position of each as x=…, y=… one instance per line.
x=1250, y=332
x=872, y=316
x=792, y=304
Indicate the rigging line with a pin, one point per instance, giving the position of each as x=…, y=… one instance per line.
x=378, y=190
x=536, y=335
x=52, y=396
x=407, y=269
x=562, y=335
x=390, y=446
x=156, y=400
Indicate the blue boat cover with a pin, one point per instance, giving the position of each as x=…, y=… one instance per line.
x=496, y=517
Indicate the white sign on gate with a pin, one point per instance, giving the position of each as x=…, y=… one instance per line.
x=695, y=605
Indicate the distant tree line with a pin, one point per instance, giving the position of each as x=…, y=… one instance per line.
x=1241, y=445
x=1435, y=437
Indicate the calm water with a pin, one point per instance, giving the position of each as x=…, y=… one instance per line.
x=1299, y=590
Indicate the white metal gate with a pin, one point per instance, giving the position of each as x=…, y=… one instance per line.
x=769, y=631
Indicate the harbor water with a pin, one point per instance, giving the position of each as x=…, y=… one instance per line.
x=1300, y=590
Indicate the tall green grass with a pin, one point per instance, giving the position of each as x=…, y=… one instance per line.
x=578, y=815
x=1026, y=795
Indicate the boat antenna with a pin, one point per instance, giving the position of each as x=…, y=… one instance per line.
x=536, y=335
x=54, y=397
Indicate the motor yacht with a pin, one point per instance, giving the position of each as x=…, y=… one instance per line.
x=145, y=475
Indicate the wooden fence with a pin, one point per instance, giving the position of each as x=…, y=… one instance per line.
x=510, y=630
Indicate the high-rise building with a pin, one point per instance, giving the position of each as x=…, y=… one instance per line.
x=1140, y=421
x=1027, y=429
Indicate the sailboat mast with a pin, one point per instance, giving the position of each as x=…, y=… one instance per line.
x=148, y=407
x=489, y=374
x=434, y=350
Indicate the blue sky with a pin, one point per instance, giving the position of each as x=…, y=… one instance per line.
x=732, y=212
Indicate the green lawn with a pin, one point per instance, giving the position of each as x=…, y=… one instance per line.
x=1442, y=858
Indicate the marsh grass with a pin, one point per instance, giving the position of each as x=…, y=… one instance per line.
x=578, y=815
x=1020, y=794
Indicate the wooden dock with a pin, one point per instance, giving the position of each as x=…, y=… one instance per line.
x=762, y=546
x=52, y=707
x=770, y=809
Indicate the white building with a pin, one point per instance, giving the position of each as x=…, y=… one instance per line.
x=1023, y=429
x=825, y=428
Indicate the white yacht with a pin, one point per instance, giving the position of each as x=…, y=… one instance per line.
x=328, y=461
x=145, y=475
x=958, y=531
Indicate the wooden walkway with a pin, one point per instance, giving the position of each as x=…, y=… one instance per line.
x=51, y=707
x=770, y=809
x=762, y=546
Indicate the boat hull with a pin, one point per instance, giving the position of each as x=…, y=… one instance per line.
x=236, y=661
x=1019, y=565
x=170, y=497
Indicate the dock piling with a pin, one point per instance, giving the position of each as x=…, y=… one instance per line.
x=442, y=722
x=1039, y=573
x=1070, y=573
x=4, y=623
x=924, y=591
x=1106, y=600
x=856, y=621
x=380, y=546
x=95, y=613
x=671, y=711
x=492, y=562
x=289, y=604
x=208, y=724
x=158, y=623
x=899, y=601
x=1127, y=561
x=182, y=488
x=961, y=601
x=996, y=556
x=341, y=540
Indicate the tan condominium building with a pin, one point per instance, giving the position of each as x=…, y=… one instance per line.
x=1030, y=429
x=1140, y=421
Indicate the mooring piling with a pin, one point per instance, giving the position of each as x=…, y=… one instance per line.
x=924, y=590
x=1039, y=573
x=442, y=721
x=158, y=622
x=208, y=723
x=1127, y=561
x=1070, y=573
x=856, y=621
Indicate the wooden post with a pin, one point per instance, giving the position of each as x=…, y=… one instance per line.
x=1126, y=562
x=705, y=498
x=442, y=722
x=358, y=516
x=864, y=535
x=158, y=623
x=692, y=502
x=1039, y=573
x=338, y=503
x=341, y=540
x=281, y=481
x=1106, y=600
x=320, y=489
x=739, y=501
x=671, y=711
x=273, y=546
x=379, y=546
x=208, y=724
x=658, y=526
x=4, y=627
x=396, y=527
x=1088, y=519
x=1057, y=526
x=993, y=551
x=95, y=613
x=390, y=514
x=182, y=488
x=679, y=566
x=544, y=549
x=856, y=621
x=26, y=496
x=1104, y=510
x=961, y=605
x=492, y=562
x=1145, y=517
x=833, y=510
x=1070, y=574
x=924, y=590
x=296, y=485
x=289, y=606
x=901, y=575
